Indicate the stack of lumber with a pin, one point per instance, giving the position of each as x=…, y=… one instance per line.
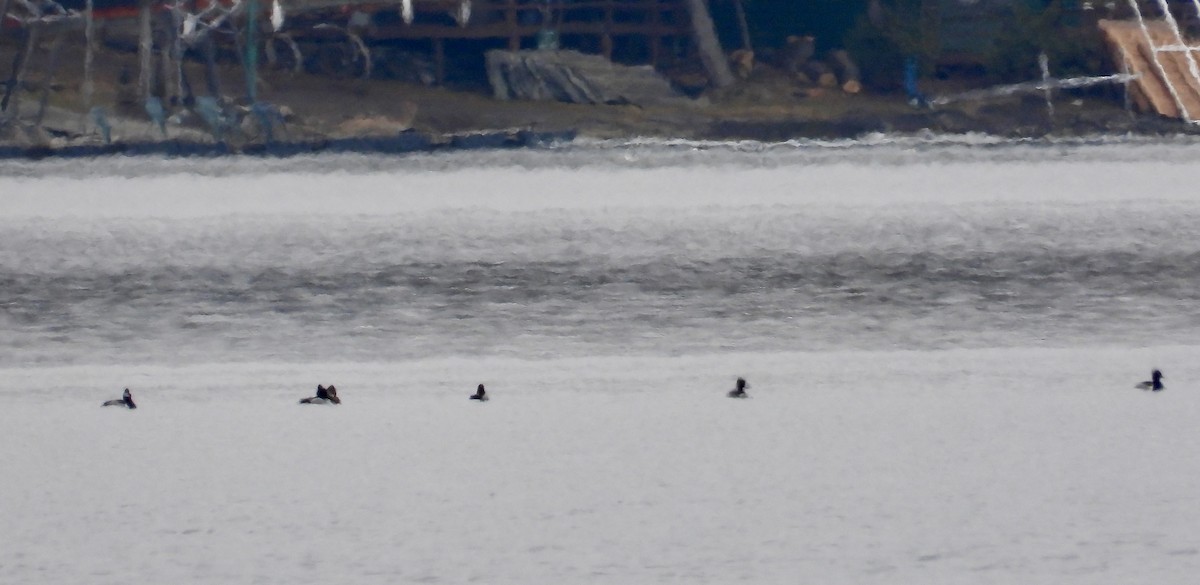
x=570, y=76
x=1167, y=82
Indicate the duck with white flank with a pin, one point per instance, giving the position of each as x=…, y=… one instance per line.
x=480, y=394
x=126, y=401
x=740, y=391
x=1154, y=383
x=324, y=396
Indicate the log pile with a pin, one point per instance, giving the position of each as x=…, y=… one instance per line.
x=797, y=59
x=570, y=76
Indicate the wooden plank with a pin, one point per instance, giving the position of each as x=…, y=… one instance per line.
x=653, y=20
x=1153, y=83
x=1178, y=71
x=298, y=7
x=1126, y=41
x=497, y=30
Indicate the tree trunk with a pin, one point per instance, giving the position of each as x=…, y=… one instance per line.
x=251, y=61
x=20, y=63
x=3, y=11
x=167, y=73
x=212, y=81
x=145, y=51
x=89, y=35
x=710, y=48
x=48, y=78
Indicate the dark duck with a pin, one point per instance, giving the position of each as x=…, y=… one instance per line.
x=126, y=400
x=324, y=396
x=480, y=394
x=1154, y=383
x=740, y=390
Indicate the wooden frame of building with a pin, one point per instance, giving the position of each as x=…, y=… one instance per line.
x=518, y=22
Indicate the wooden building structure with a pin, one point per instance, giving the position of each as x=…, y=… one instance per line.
x=594, y=26
x=1160, y=49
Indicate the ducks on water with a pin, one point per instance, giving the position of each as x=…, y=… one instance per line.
x=480, y=394
x=1154, y=383
x=324, y=396
x=329, y=395
x=126, y=400
x=740, y=390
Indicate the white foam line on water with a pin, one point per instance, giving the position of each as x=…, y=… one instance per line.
x=343, y=194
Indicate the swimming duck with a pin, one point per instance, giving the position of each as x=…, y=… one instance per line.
x=1155, y=383
x=480, y=394
x=324, y=396
x=126, y=400
x=740, y=391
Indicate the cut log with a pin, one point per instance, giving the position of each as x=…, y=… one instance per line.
x=743, y=62
x=847, y=70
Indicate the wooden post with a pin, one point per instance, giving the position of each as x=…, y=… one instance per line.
x=708, y=45
x=510, y=18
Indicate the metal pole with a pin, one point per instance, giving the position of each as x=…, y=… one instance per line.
x=1044, y=64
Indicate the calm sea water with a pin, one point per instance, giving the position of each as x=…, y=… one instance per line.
x=652, y=248
x=608, y=295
